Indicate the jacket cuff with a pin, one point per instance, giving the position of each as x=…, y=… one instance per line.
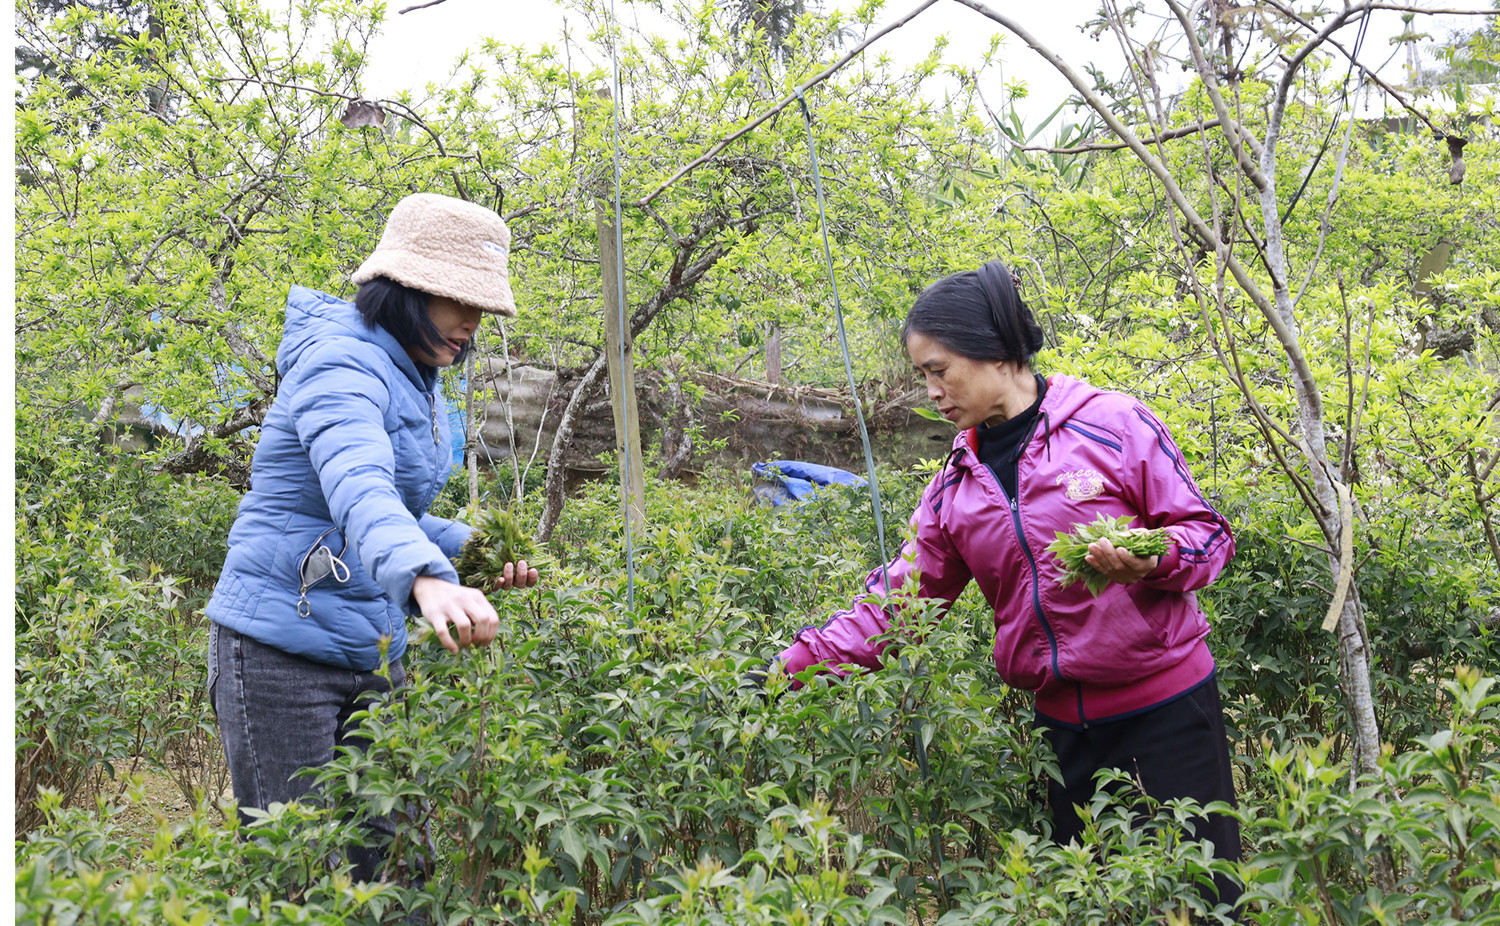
x=438, y=568
x=795, y=658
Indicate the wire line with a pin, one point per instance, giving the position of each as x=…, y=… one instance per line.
x=838, y=315
x=625, y=396
x=919, y=746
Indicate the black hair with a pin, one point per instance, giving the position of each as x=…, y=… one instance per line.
x=977, y=314
x=402, y=311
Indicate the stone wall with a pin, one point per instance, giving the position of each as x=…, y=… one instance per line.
x=755, y=420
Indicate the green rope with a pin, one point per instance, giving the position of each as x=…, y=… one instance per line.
x=838, y=315
x=918, y=745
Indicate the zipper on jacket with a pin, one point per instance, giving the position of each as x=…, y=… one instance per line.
x=1036, y=580
x=1036, y=595
x=440, y=473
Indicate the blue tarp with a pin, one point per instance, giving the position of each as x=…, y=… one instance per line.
x=787, y=482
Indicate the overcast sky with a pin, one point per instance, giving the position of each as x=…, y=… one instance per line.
x=420, y=47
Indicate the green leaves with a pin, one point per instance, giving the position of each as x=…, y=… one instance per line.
x=581, y=764
x=1072, y=548
x=597, y=762
x=31, y=128
x=497, y=541
x=1431, y=815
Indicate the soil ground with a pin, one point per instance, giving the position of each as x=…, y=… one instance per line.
x=160, y=800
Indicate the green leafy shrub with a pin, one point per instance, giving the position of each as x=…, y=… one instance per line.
x=112, y=564
x=1429, y=822
x=625, y=753
x=1275, y=665
x=108, y=672
x=1125, y=870
x=601, y=764
x=84, y=867
x=779, y=565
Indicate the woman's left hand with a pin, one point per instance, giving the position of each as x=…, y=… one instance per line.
x=517, y=575
x=1119, y=565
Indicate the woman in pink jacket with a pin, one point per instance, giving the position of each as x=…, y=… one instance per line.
x=1122, y=681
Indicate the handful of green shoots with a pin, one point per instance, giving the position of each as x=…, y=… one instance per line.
x=1071, y=549
x=496, y=541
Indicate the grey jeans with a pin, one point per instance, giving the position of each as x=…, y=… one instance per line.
x=279, y=713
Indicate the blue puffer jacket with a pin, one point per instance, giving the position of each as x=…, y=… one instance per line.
x=353, y=450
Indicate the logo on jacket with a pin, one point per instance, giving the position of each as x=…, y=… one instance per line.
x=1083, y=484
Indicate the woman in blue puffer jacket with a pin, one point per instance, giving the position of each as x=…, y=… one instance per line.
x=333, y=546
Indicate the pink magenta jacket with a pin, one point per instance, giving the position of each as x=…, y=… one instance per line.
x=1086, y=659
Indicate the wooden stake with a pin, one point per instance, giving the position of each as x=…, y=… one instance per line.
x=621, y=377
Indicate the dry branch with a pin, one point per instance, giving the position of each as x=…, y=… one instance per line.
x=783, y=104
x=1168, y=135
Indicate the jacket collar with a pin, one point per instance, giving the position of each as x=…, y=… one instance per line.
x=1065, y=395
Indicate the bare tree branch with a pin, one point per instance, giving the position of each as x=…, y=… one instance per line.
x=1326, y=36
x=783, y=104
x=1168, y=135
x=1284, y=333
x=163, y=238
x=1211, y=83
x=195, y=456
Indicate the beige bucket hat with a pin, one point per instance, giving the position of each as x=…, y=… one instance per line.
x=445, y=247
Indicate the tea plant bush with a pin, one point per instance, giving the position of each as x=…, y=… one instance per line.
x=526, y=832
x=633, y=726
x=602, y=764
x=113, y=564
x=1432, y=814
x=779, y=566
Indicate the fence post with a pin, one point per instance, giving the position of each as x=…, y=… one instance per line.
x=622, y=397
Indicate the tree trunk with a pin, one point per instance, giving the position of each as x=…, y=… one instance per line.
x=1353, y=637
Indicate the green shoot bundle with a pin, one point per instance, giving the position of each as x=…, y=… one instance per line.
x=497, y=540
x=1071, y=549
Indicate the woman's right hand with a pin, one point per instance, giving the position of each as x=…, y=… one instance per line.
x=516, y=575
x=441, y=602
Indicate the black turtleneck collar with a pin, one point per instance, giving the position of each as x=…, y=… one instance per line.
x=1000, y=446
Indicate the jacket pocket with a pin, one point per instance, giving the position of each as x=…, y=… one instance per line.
x=1153, y=611
x=1112, y=641
x=319, y=562
x=1023, y=655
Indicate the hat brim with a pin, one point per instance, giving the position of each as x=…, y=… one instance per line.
x=486, y=290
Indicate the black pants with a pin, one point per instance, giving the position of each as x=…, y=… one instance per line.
x=280, y=713
x=1176, y=750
